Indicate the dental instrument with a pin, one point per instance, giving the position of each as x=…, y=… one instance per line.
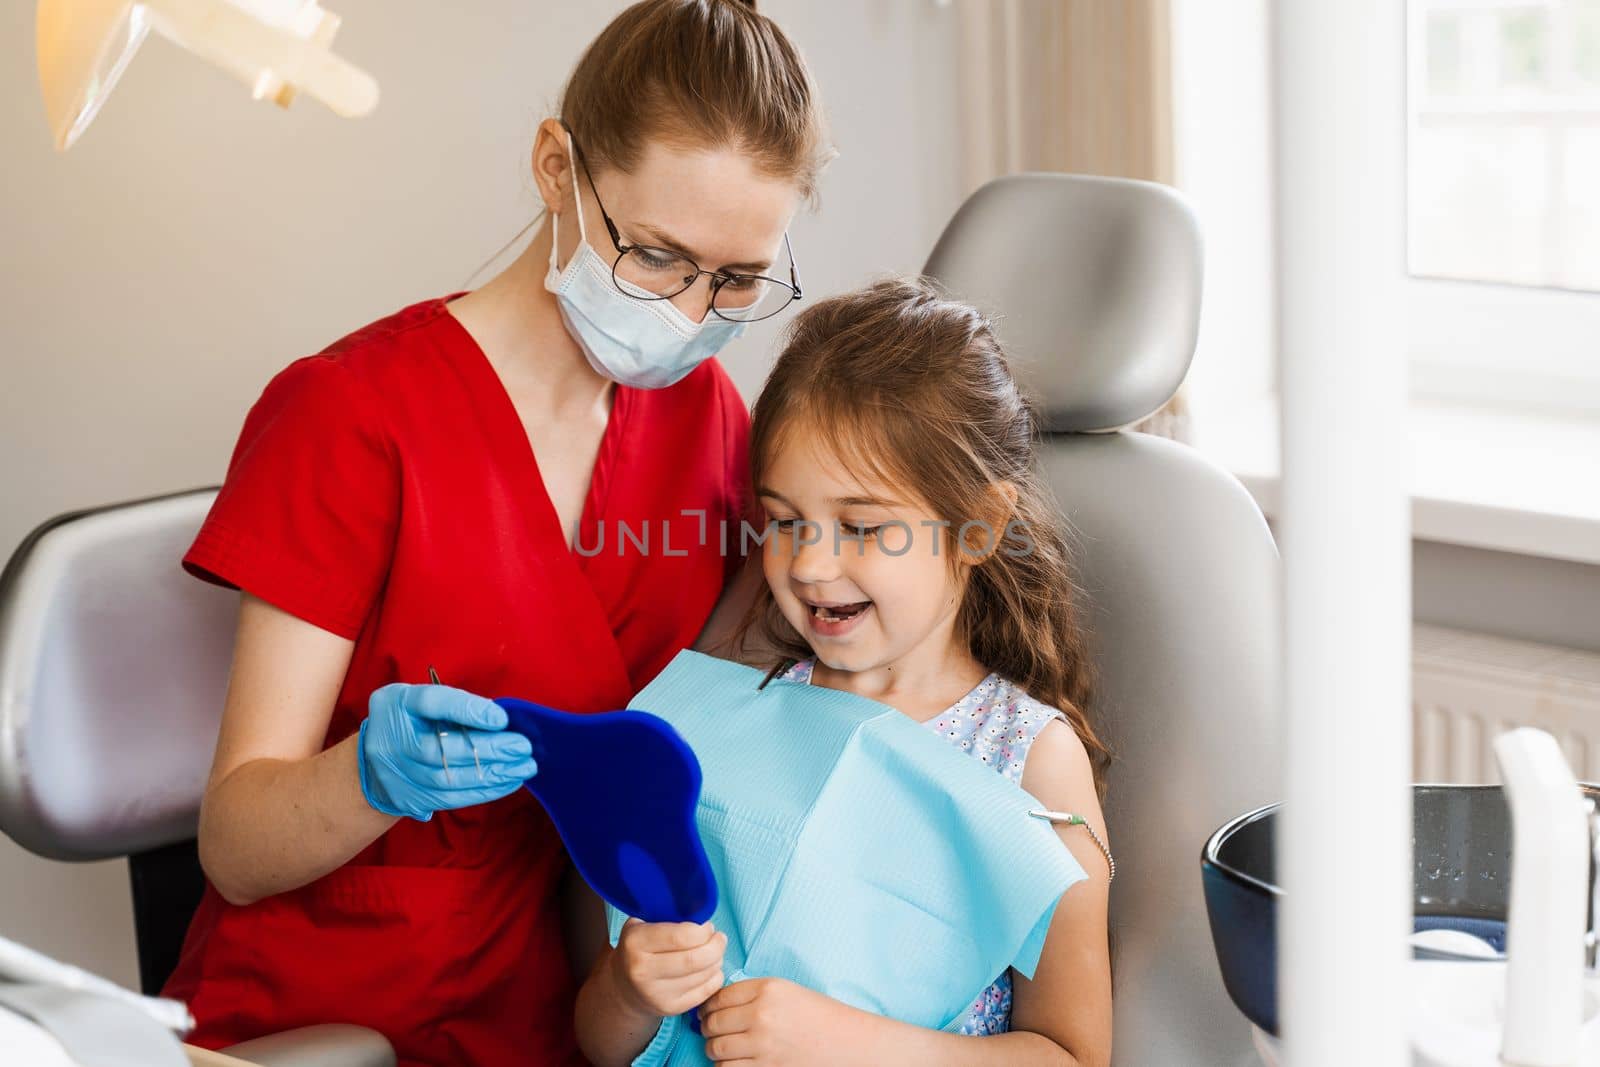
x=440, y=732
x=433, y=679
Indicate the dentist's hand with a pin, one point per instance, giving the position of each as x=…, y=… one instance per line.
x=404, y=758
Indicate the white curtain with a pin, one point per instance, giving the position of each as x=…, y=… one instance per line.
x=1082, y=86
x=1078, y=86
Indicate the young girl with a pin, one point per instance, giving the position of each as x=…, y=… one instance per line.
x=914, y=559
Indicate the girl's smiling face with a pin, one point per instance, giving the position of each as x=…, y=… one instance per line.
x=862, y=570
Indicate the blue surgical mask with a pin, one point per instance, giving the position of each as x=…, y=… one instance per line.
x=645, y=343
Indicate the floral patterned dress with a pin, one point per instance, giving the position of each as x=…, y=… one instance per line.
x=997, y=723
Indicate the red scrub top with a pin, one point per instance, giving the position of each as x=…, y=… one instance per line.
x=385, y=490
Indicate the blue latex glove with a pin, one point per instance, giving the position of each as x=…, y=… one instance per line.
x=403, y=757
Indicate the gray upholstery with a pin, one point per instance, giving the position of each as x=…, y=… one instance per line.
x=113, y=669
x=1096, y=286
x=1179, y=569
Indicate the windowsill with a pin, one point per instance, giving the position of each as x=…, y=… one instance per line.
x=1507, y=481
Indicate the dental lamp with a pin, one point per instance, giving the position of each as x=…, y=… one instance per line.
x=276, y=47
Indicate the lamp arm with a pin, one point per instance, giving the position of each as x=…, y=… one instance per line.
x=248, y=48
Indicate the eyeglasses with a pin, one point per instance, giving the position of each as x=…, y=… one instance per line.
x=646, y=272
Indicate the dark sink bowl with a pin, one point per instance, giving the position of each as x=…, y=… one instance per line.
x=1461, y=843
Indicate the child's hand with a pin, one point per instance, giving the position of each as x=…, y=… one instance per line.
x=668, y=968
x=768, y=1022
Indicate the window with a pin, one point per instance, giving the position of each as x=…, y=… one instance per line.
x=1504, y=154
x=1503, y=205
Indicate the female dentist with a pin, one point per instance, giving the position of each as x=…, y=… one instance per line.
x=462, y=485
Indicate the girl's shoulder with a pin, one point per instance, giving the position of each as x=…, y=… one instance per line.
x=997, y=697
x=996, y=723
x=996, y=704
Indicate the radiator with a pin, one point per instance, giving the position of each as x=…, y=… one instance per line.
x=1468, y=688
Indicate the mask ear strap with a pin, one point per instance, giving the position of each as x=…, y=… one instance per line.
x=577, y=188
x=555, y=240
x=555, y=216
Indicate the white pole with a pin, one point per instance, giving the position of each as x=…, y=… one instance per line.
x=1339, y=81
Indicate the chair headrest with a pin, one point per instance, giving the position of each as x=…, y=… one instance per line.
x=1094, y=285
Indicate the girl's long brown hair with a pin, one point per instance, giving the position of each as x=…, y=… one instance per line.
x=912, y=390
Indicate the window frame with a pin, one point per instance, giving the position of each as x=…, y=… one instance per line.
x=1495, y=343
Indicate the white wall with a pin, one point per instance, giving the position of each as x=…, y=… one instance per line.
x=193, y=242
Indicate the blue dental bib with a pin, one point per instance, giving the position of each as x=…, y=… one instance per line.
x=856, y=853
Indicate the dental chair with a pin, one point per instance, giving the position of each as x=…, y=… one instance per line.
x=1095, y=287
x=113, y=662
x=113, y=668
